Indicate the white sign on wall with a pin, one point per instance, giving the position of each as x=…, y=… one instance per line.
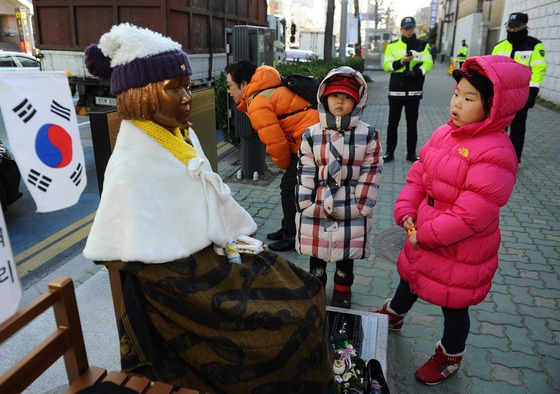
x=351, y=28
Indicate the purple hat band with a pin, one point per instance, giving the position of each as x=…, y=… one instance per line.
x=143, y=71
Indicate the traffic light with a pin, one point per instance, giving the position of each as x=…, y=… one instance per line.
x=293, y=33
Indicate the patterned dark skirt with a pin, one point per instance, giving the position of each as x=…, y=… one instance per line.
x=200, y=322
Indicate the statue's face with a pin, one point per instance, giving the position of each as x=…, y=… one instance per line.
x=175, y=100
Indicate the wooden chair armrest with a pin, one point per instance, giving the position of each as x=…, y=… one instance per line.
x=91, y=376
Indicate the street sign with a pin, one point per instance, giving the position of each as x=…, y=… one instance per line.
x=433, y=13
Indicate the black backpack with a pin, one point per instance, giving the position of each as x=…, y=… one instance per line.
x=303, y=85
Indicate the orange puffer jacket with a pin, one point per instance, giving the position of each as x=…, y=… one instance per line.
x=281, y=136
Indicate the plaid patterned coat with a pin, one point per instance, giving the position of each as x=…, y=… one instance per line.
x=339, y=172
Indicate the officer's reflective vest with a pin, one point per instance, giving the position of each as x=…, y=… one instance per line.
x=463, y=53
x=529, y=53
x=421, y=56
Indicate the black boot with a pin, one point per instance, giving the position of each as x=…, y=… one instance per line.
x=276, y=236
x=342, y=293
x=412, y=157
x=388, y=156
x=285, y=244
x=342, y=299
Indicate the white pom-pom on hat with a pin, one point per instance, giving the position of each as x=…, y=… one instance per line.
x=125, y=43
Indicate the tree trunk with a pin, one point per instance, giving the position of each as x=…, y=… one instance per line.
x=358, y=47
x=327, y=50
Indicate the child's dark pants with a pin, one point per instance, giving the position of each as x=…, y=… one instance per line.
x=456, y=321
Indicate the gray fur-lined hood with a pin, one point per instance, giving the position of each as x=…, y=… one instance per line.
x=342, y=122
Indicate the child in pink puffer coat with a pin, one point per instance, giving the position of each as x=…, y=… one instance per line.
x=451, y=205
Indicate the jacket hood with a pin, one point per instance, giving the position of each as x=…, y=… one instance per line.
x=511, y=90
x=265, y=77
x=342, y=122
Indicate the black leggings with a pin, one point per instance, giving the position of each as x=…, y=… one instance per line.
x=288, y=199
x=411, y=111
x=517, y=131
x=346, y=266
x=456, y=321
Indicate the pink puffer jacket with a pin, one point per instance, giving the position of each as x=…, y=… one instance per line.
x=454, y=194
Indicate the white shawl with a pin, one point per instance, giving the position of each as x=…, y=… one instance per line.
x=154, y=209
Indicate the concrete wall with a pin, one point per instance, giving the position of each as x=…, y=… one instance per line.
x=544, y=24
x=447, y=17
x=467, y=7
x=467, y=30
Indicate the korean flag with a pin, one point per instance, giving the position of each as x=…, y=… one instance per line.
x=43, y=133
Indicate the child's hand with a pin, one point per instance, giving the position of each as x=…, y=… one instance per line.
x=413, y=239
x=408, y=223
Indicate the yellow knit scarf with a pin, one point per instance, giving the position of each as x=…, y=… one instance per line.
x=175, y=143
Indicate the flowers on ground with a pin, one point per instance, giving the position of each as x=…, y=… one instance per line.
x=348, y=368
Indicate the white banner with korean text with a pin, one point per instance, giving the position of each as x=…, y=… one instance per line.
x=42, y=129
x=10, y=287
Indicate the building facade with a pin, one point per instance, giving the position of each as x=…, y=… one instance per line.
x=481, y=23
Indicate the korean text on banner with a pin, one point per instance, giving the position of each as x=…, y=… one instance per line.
x=10, y=288
x=42, y=129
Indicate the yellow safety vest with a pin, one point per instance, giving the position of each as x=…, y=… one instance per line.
x=397, y=50
x=529, y=53
x=463, y=53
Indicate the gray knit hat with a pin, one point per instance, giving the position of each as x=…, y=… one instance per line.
x=132, y=57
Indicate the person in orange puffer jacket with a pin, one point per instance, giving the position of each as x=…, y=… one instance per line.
x=258, y=93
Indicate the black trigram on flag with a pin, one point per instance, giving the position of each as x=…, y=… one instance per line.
x=42, y=182
x=76, y=176
x=60, y=110
x=25, y=110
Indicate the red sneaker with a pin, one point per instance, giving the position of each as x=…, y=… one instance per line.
x=395, y=320
x=439, y=367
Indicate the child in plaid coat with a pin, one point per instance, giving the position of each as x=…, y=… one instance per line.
x=339, y=172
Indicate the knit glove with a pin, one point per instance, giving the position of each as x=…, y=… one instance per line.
x=417, y=71
x=408, y=76
x=533, y=93
x=397, y=64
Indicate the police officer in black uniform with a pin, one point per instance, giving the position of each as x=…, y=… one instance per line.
x=408, y=59
x=527, y=50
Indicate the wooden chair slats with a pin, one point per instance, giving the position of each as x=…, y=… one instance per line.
x=116, y=377
x=161, y=388
x=137, y=383
x=66, y=315
x=23, y=317
x=33, y=364
x=185, y=390
x=67, y=341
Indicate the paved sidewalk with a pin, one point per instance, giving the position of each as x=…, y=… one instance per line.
x=513, y=346
x=514, y=342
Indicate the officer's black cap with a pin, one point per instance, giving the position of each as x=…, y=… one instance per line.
x=408, y=22
x=517, y=18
